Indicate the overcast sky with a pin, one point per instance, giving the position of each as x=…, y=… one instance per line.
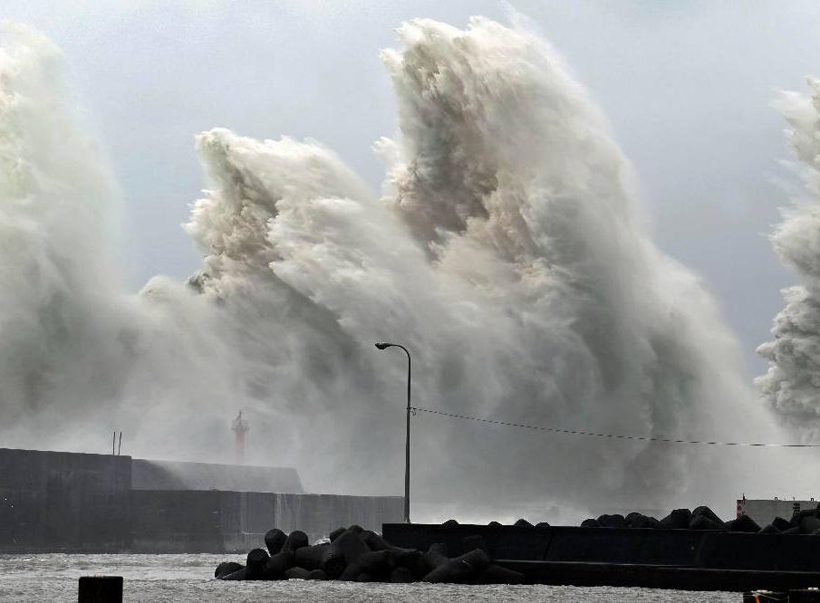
x=686, y=85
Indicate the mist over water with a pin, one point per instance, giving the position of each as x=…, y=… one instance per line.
x=506, y=251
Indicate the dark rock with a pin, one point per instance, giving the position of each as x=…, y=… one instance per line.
x=364, y=578
x=356, y=528
x=494, y=524
x=333, y=563
x=781, y=524
x=401, y=575
x=460, y=570
x=375, y=542
x=373, y=563
x=612, y=521
x=653, y=523
x=336, y=533
x=257, y=559
x=706, y=512
x=275, y=540
x=474, y=541
x=677, y=520
x=240, y=574
x=226, y=567
x=523, y=523
x=792, y=530
x=495, y=574
x=542, y=524
x=435, y=556
x=310, y=557
x=590, y=523
x=798, y=516
x=316, y=574
x=296, y=573
x=277, y=564
x=352, y=545
x=450, y=523
x=295, y=540
x=639, y=521
x=705, y=522
x=744, y=523
x=328, y=557
x=809, y=524
x=769, y=529
x=411, y=559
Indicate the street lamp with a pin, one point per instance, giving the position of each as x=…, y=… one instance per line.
x=384, y=346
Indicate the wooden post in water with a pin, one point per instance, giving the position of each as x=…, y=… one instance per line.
x=100, y=589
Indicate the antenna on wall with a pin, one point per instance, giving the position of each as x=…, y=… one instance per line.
x=119, y=446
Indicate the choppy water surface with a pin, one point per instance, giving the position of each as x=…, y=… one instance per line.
x=190, y=578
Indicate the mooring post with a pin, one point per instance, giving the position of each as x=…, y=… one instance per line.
x=100, y=589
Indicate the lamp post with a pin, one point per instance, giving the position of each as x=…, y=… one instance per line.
x=384, y=346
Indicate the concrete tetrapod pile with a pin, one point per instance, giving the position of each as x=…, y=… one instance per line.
x=360, y=555
x=703, y=518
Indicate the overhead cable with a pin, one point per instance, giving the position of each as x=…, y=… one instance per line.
x=613, y=436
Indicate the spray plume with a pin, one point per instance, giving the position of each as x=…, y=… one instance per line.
x=506, y=253
x=792, y=383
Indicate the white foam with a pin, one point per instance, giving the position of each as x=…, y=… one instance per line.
x=507, y=253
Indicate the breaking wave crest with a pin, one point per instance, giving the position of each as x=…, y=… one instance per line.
x=792, y=383
x=506, y=252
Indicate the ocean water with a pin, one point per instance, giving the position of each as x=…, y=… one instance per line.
x=53, y=577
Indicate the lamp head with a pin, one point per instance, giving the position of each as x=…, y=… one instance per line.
x=383, y=346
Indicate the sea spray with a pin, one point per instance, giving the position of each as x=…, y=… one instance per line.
x=78, y=357
x=506, y=253
x=792, y=383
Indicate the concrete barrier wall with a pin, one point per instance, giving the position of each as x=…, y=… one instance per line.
x=60, y=501
x=213, y=522
x=172, y=475
x=175, y=521
x=712, y=550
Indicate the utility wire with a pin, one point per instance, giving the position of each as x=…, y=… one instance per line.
x=610, y=435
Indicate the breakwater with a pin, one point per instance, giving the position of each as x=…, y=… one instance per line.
x=653, y=557
x=663, y=558
x=687, y=550
x=71, y=502
x=354, y=554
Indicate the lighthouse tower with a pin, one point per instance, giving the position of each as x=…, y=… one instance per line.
x=240, y=428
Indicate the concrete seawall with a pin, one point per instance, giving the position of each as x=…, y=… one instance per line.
x=652, y=558
x=56, y=501
x=679, y=548
x=70, y=502
x=203, y=522
x=170, y=475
